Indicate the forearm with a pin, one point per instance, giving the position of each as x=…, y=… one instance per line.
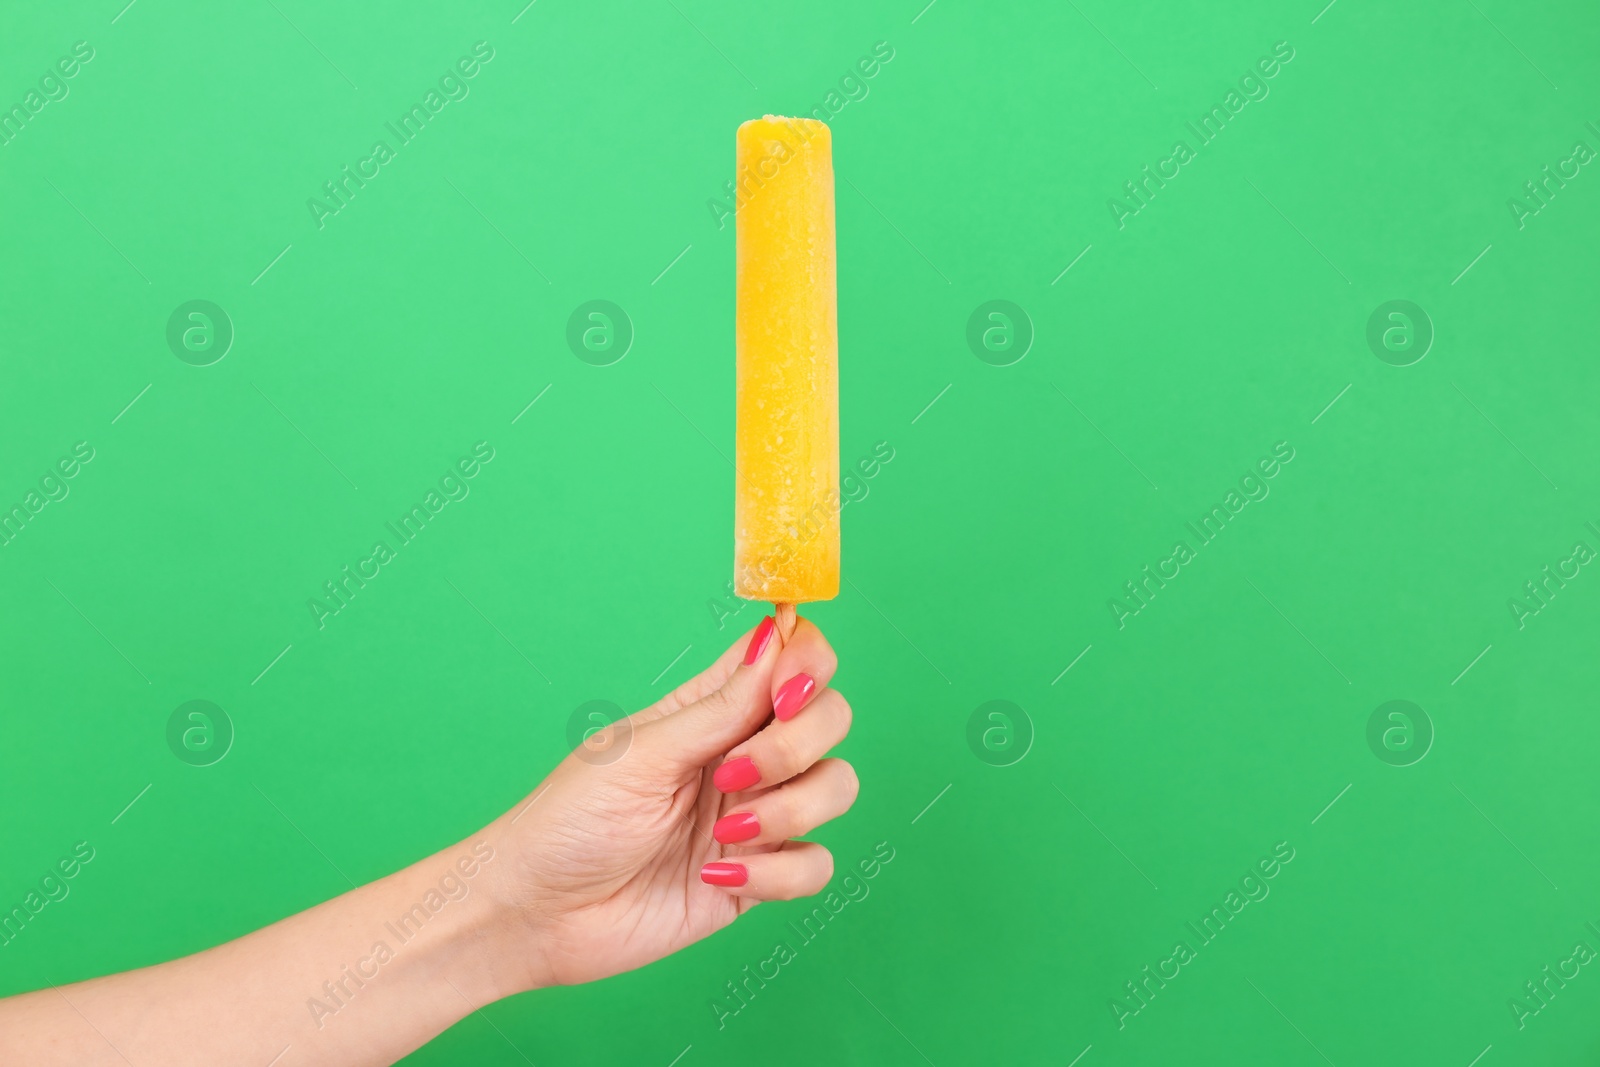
x=361, y=979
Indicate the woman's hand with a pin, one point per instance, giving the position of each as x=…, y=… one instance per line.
x=658, y=831
x=669, y=824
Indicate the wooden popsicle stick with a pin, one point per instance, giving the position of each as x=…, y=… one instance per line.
x=786, y=619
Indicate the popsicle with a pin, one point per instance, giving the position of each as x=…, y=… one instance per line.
x=786, y=476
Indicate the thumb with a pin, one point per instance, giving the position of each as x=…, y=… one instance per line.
x=692, y=737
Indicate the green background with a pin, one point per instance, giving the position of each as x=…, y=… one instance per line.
x=1224, y=317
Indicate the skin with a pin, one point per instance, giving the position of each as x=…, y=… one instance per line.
x=595, y=872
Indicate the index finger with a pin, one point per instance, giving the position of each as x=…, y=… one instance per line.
x=805, y=667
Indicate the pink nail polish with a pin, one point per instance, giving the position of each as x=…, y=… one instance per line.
x=792, y=696
x=733, y=874
x=736, y=774
x=740, y=826
x=758, y=640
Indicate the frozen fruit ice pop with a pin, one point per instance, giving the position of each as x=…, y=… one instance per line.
x=786, y=502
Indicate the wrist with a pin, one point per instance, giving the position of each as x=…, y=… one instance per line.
x=506, y=937
x=489, y=956
x=442, y=928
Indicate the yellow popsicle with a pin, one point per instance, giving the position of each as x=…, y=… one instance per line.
x=786, y=505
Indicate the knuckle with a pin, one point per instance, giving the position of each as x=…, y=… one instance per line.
x=790, y=811
x=783, y=757
x=719, y=701
x=832, y=704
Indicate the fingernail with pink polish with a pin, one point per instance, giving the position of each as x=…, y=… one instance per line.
x=731, y=874
x=740, y=826
x=792, y=696
x=736, y=774
x=758, y=640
